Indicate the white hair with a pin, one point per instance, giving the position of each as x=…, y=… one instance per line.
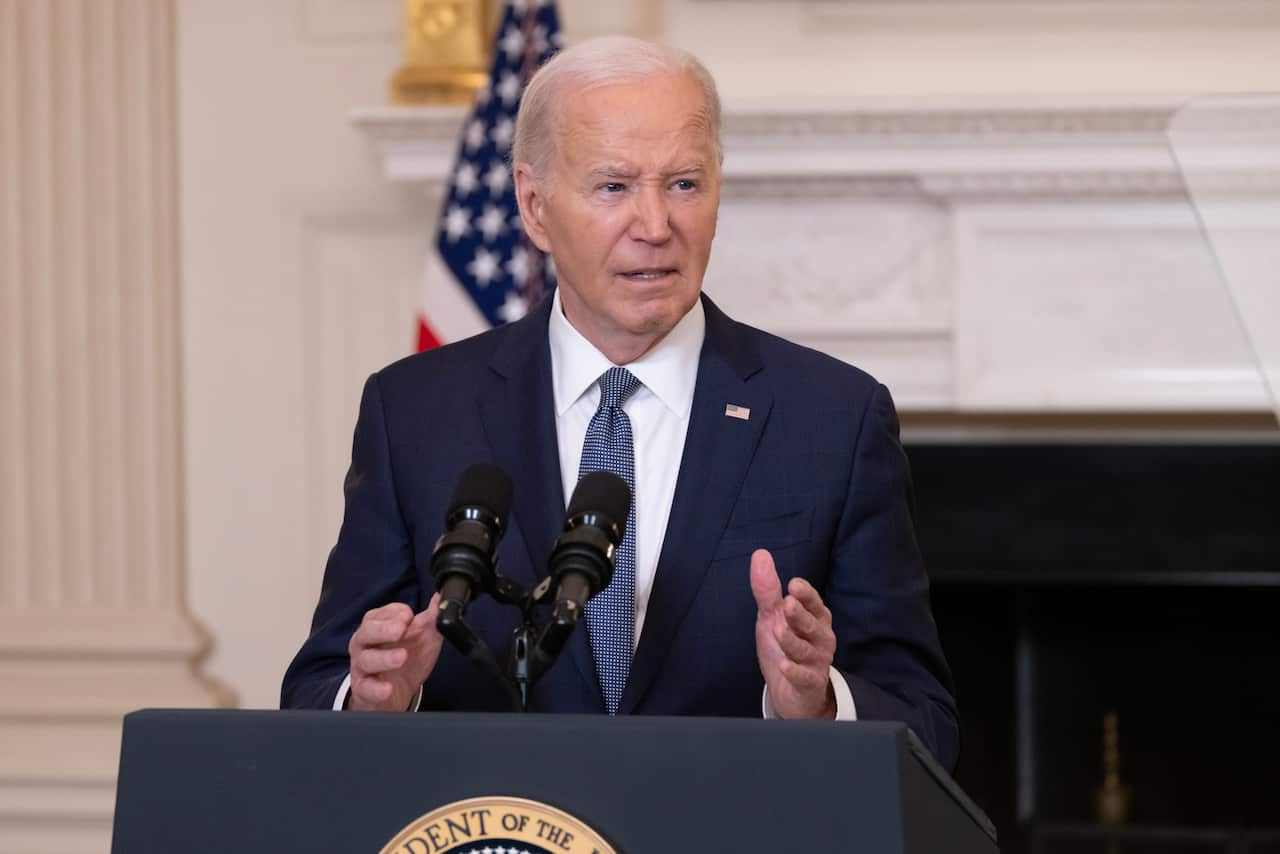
x=603, y=61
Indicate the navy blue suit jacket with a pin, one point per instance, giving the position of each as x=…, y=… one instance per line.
x=816, y=475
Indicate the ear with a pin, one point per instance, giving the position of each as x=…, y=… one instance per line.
x=531, y=198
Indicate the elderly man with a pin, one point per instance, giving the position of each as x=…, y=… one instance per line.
x=769, y=566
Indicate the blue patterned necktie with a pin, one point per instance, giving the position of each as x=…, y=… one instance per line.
x=611, y=614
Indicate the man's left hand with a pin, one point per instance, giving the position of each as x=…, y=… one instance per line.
x=794, y=642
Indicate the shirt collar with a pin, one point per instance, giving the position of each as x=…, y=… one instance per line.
x=669, y=369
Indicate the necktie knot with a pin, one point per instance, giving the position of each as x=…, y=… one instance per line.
x=616, y=385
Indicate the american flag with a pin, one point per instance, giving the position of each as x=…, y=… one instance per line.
x=480, y=238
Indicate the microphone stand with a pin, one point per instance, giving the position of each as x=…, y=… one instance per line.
x=454, y=628
x=534, y=647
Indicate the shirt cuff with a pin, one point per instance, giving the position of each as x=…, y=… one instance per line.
x=340, y=701
x=845, y=709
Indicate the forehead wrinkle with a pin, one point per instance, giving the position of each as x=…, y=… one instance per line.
x=700, y=121
x=599, y=131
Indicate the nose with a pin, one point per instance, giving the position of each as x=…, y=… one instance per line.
x=652, y=220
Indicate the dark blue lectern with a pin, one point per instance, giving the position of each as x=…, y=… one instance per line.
x=222, y=781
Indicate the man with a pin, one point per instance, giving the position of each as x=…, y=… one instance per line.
x=770, y=562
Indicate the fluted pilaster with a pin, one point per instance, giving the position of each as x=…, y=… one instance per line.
x=92, y=616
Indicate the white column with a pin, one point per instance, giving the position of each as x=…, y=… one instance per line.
x=93, y=622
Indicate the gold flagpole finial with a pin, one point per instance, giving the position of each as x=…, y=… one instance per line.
x=445, y=52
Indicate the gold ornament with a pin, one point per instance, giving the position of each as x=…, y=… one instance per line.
x=445, y=52
x=1112, y=798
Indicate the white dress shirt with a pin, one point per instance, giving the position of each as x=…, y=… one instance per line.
x=659, y=415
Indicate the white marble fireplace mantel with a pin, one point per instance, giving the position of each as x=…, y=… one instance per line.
x=976, y=257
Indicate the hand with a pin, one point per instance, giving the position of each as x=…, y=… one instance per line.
x=794, y=642
x=392, y=654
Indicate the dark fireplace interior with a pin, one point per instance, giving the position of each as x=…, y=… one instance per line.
x=1070, y=581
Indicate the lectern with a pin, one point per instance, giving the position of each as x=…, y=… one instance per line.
x=246, y=781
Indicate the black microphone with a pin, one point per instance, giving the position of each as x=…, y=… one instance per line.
x=462, y=561
x=582, y=561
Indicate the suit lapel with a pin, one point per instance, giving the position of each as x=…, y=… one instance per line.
x=518, y=414
x=717, y=453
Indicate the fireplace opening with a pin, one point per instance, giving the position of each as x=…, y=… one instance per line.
x=1112, y=617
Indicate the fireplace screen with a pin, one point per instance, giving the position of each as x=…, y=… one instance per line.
x=1228, y=149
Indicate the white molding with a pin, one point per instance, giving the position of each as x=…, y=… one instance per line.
x=1063, y=146
x=826, y=17
x=844, y=188
x=865, y=138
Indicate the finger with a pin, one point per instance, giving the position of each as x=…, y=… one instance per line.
x=425, y=619
x=394, y=612
x=765, y=586
x=810, y=598
x=796, y=648
x=374, y=660
x=798, y=619
x=377, y=633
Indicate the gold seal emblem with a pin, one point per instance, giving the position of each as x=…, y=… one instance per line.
x=497, y=825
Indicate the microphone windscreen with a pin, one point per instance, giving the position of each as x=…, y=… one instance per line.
x=483, y=485
x=604, y=493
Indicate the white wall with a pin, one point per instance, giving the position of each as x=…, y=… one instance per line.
x=790, y=48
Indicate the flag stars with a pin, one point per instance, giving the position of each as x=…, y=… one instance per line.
x=484, y=267
x=491, y=223
x=466, y=179
x=514, y=308
x=457, y=223
x=512, y=43
x=503, y=132
x=480, y=235
x=475, y=134
x=508, y=88
x=497, y=178
x=518, y=266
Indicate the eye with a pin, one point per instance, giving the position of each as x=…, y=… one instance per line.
x=613, y=187
x=686, y=184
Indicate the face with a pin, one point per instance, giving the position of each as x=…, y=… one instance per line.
x=627, y=209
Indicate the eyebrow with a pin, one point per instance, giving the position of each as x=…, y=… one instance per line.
x=615, y=170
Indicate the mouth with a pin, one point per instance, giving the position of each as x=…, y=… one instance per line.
x=648, y=274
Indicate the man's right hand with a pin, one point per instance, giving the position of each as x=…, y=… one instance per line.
x=392, y=654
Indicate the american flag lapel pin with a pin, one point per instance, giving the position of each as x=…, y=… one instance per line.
x=733, y=410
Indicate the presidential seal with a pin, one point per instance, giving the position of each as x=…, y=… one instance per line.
x=498, y=825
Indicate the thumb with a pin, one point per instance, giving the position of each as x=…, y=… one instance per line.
x=425, y=620
x=765, y=586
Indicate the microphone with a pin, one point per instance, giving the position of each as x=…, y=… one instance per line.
x=462, y=560
x=582, y=561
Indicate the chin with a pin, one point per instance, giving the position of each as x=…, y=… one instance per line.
x=660, y=316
